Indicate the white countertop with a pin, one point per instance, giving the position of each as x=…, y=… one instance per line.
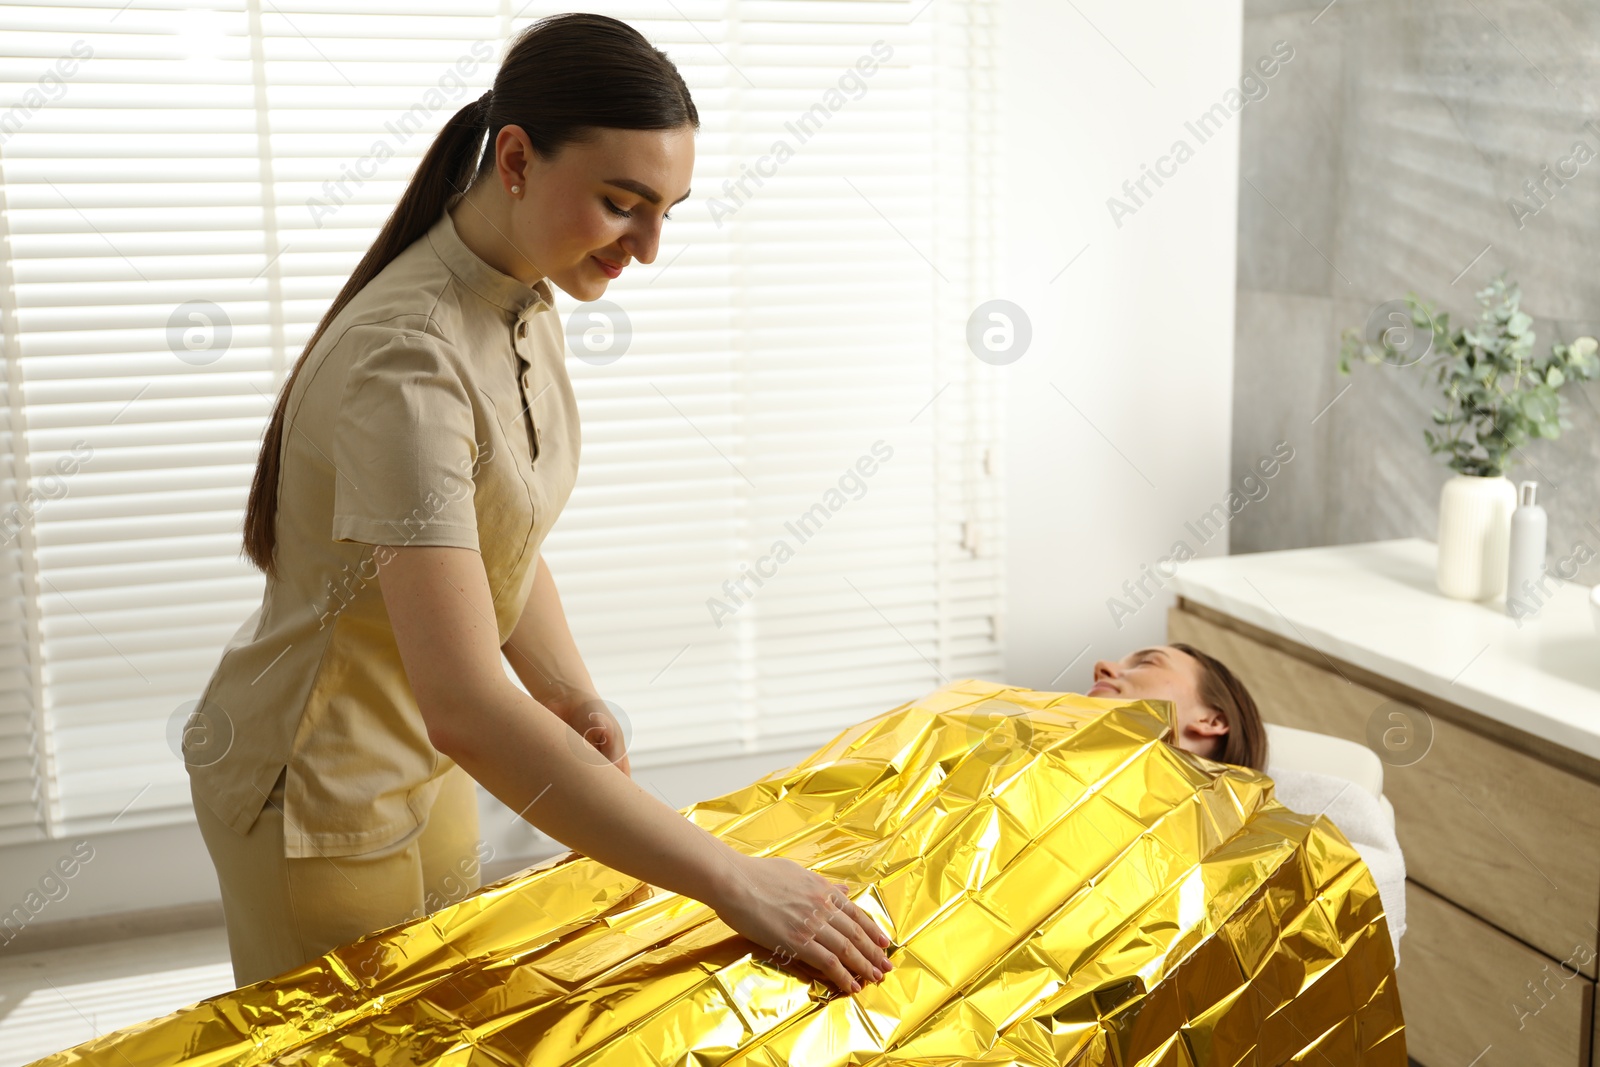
x=1375, y=605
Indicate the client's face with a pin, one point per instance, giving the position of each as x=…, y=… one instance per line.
x=1166, y=673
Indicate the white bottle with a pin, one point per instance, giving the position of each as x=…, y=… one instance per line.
x=1525, y=560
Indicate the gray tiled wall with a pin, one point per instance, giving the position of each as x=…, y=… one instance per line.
x=1383, y=159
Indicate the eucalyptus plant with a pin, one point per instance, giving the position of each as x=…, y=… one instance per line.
x=1497, y=394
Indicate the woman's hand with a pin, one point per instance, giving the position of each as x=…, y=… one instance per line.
x=801, y=915
x=595, y=720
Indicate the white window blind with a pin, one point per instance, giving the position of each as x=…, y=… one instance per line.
x=244, y=154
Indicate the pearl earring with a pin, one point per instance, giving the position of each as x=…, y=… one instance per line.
x=516, y=188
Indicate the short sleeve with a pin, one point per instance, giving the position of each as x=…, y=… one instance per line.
x=405, y=448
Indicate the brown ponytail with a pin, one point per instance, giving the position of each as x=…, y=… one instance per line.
x=562, y=77
x=1246, y=742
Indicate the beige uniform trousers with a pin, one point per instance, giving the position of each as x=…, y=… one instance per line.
x=283, y=912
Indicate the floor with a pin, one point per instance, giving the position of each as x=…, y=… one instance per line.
x=56, y=999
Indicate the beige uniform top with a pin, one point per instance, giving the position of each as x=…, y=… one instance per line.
x=434, y=410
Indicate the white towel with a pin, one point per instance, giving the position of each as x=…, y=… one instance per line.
x=1360, y=817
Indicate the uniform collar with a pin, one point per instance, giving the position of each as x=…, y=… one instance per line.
x=499, y=289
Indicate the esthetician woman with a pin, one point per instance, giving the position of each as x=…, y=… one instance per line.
x=416, y=458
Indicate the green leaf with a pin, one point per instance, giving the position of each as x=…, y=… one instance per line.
x=1539, y=405
x=1553, y=378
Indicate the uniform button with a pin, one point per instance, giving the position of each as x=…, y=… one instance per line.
x=522, y=328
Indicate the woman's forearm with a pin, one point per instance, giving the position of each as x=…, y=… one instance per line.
x=539, y=767
x=542, y=652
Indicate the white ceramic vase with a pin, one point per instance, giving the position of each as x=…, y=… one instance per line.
x=1474, y=535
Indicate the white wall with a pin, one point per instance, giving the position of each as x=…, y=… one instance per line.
x=1137, y=333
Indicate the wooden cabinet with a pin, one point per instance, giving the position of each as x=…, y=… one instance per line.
x=1501, y=836
x=1472, y=994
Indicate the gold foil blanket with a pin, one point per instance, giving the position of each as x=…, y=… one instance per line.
x=1061, y=886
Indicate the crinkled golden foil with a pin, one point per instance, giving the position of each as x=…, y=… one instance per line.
x=1062, y=887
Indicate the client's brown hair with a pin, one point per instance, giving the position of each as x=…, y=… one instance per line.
x=1245, y=744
